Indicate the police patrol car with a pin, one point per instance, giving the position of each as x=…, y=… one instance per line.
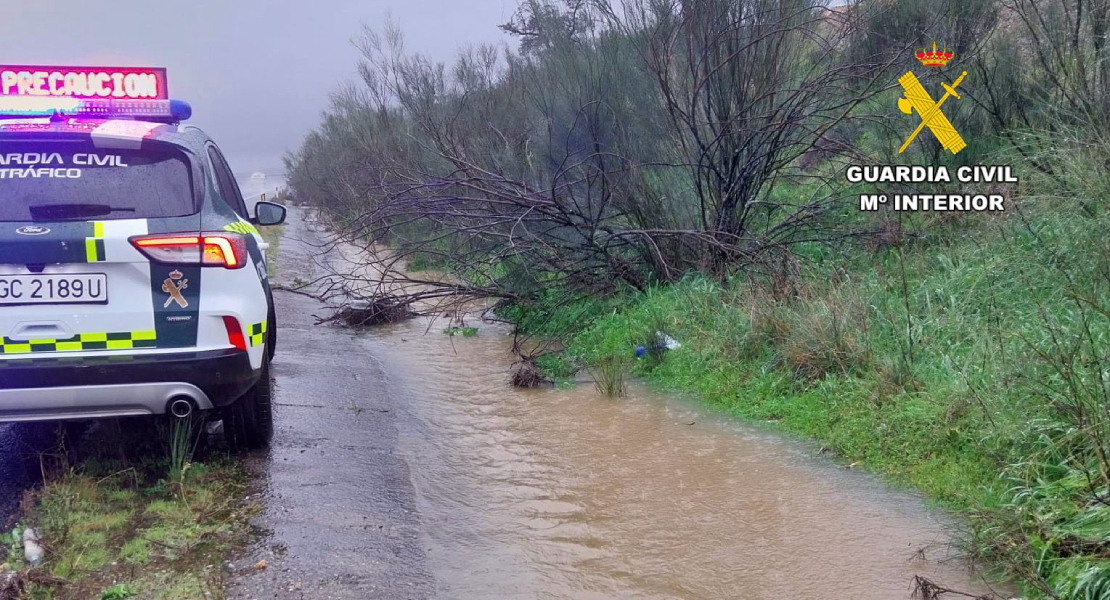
x=132, y=275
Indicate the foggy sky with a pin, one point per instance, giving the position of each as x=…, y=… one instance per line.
x=257, y=72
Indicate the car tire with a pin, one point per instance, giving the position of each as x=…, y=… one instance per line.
x=249, y=422
x=271, y=332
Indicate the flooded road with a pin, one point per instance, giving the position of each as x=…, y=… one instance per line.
x=570, y=494
x=490, y=492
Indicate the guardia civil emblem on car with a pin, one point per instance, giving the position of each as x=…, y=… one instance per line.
x=32, y=230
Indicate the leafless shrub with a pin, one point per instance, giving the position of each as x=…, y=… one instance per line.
x=924, y=589
x=372, y=311
x=749, y=87
x=618, y=148
x=526, y=374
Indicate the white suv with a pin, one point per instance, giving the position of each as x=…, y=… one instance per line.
x=132, y=277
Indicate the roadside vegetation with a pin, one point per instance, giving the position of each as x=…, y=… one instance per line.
x=644, y=169
x=134, y=517
x=272, y=234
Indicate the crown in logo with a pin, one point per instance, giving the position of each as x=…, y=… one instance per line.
x=935, y=57
x=175, y=275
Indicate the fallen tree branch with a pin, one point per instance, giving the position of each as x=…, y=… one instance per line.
x=924, y=589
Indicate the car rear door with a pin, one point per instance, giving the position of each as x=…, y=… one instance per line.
x=70, y=279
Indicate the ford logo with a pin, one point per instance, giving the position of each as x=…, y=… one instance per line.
x=32, y=230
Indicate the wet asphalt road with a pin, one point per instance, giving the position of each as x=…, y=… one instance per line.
x=340, y=519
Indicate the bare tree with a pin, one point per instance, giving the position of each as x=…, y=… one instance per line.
x=630, y=146
x=749, y=87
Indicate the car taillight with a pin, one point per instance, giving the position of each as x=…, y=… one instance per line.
x=235, y=333
x=227, y=250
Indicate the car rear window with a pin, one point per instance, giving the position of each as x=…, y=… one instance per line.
x=62, y=180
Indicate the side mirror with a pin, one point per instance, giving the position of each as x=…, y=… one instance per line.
x=269, y=213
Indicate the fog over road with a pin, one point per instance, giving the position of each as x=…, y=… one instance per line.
x=254, y=184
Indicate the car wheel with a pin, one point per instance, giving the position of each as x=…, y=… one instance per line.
x=271, y=333
x=249, y=422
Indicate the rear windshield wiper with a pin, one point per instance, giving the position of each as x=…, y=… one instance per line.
x=61, y=212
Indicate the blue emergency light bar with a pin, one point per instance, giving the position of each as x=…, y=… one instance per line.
x=88, y=92
x=149, y=110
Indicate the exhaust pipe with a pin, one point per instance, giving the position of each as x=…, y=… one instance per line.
x=181, y=407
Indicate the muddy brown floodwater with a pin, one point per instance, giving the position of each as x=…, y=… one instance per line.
x=405, y=466
x=564, y=493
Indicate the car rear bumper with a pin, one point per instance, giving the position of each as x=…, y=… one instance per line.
x=96, y=401
x=82, y=388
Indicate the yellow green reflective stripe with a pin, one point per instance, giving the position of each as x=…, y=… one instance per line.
x=117, y=340
x=94, y=246
x=241, y=227
x=258, y=333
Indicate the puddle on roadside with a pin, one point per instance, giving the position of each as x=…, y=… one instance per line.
x=563, y=493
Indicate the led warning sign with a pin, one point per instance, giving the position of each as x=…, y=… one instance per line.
x=83, y=82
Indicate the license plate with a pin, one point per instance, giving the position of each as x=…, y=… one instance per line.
x=84, y=288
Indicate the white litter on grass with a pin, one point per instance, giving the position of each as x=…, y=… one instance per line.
x=663, y=340
x=32, y=551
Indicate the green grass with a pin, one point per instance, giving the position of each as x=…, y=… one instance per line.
x=424, y=261
x=119, y=591
x=954, y=362
x=124, y=527
x=841, y=401
x=272, y=234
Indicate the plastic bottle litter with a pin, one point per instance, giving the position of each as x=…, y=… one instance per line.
x=32, y=551
x=666, y=342
x=663, y=343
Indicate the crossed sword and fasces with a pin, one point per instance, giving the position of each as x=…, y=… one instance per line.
x=918, y=99
x=175, y=292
